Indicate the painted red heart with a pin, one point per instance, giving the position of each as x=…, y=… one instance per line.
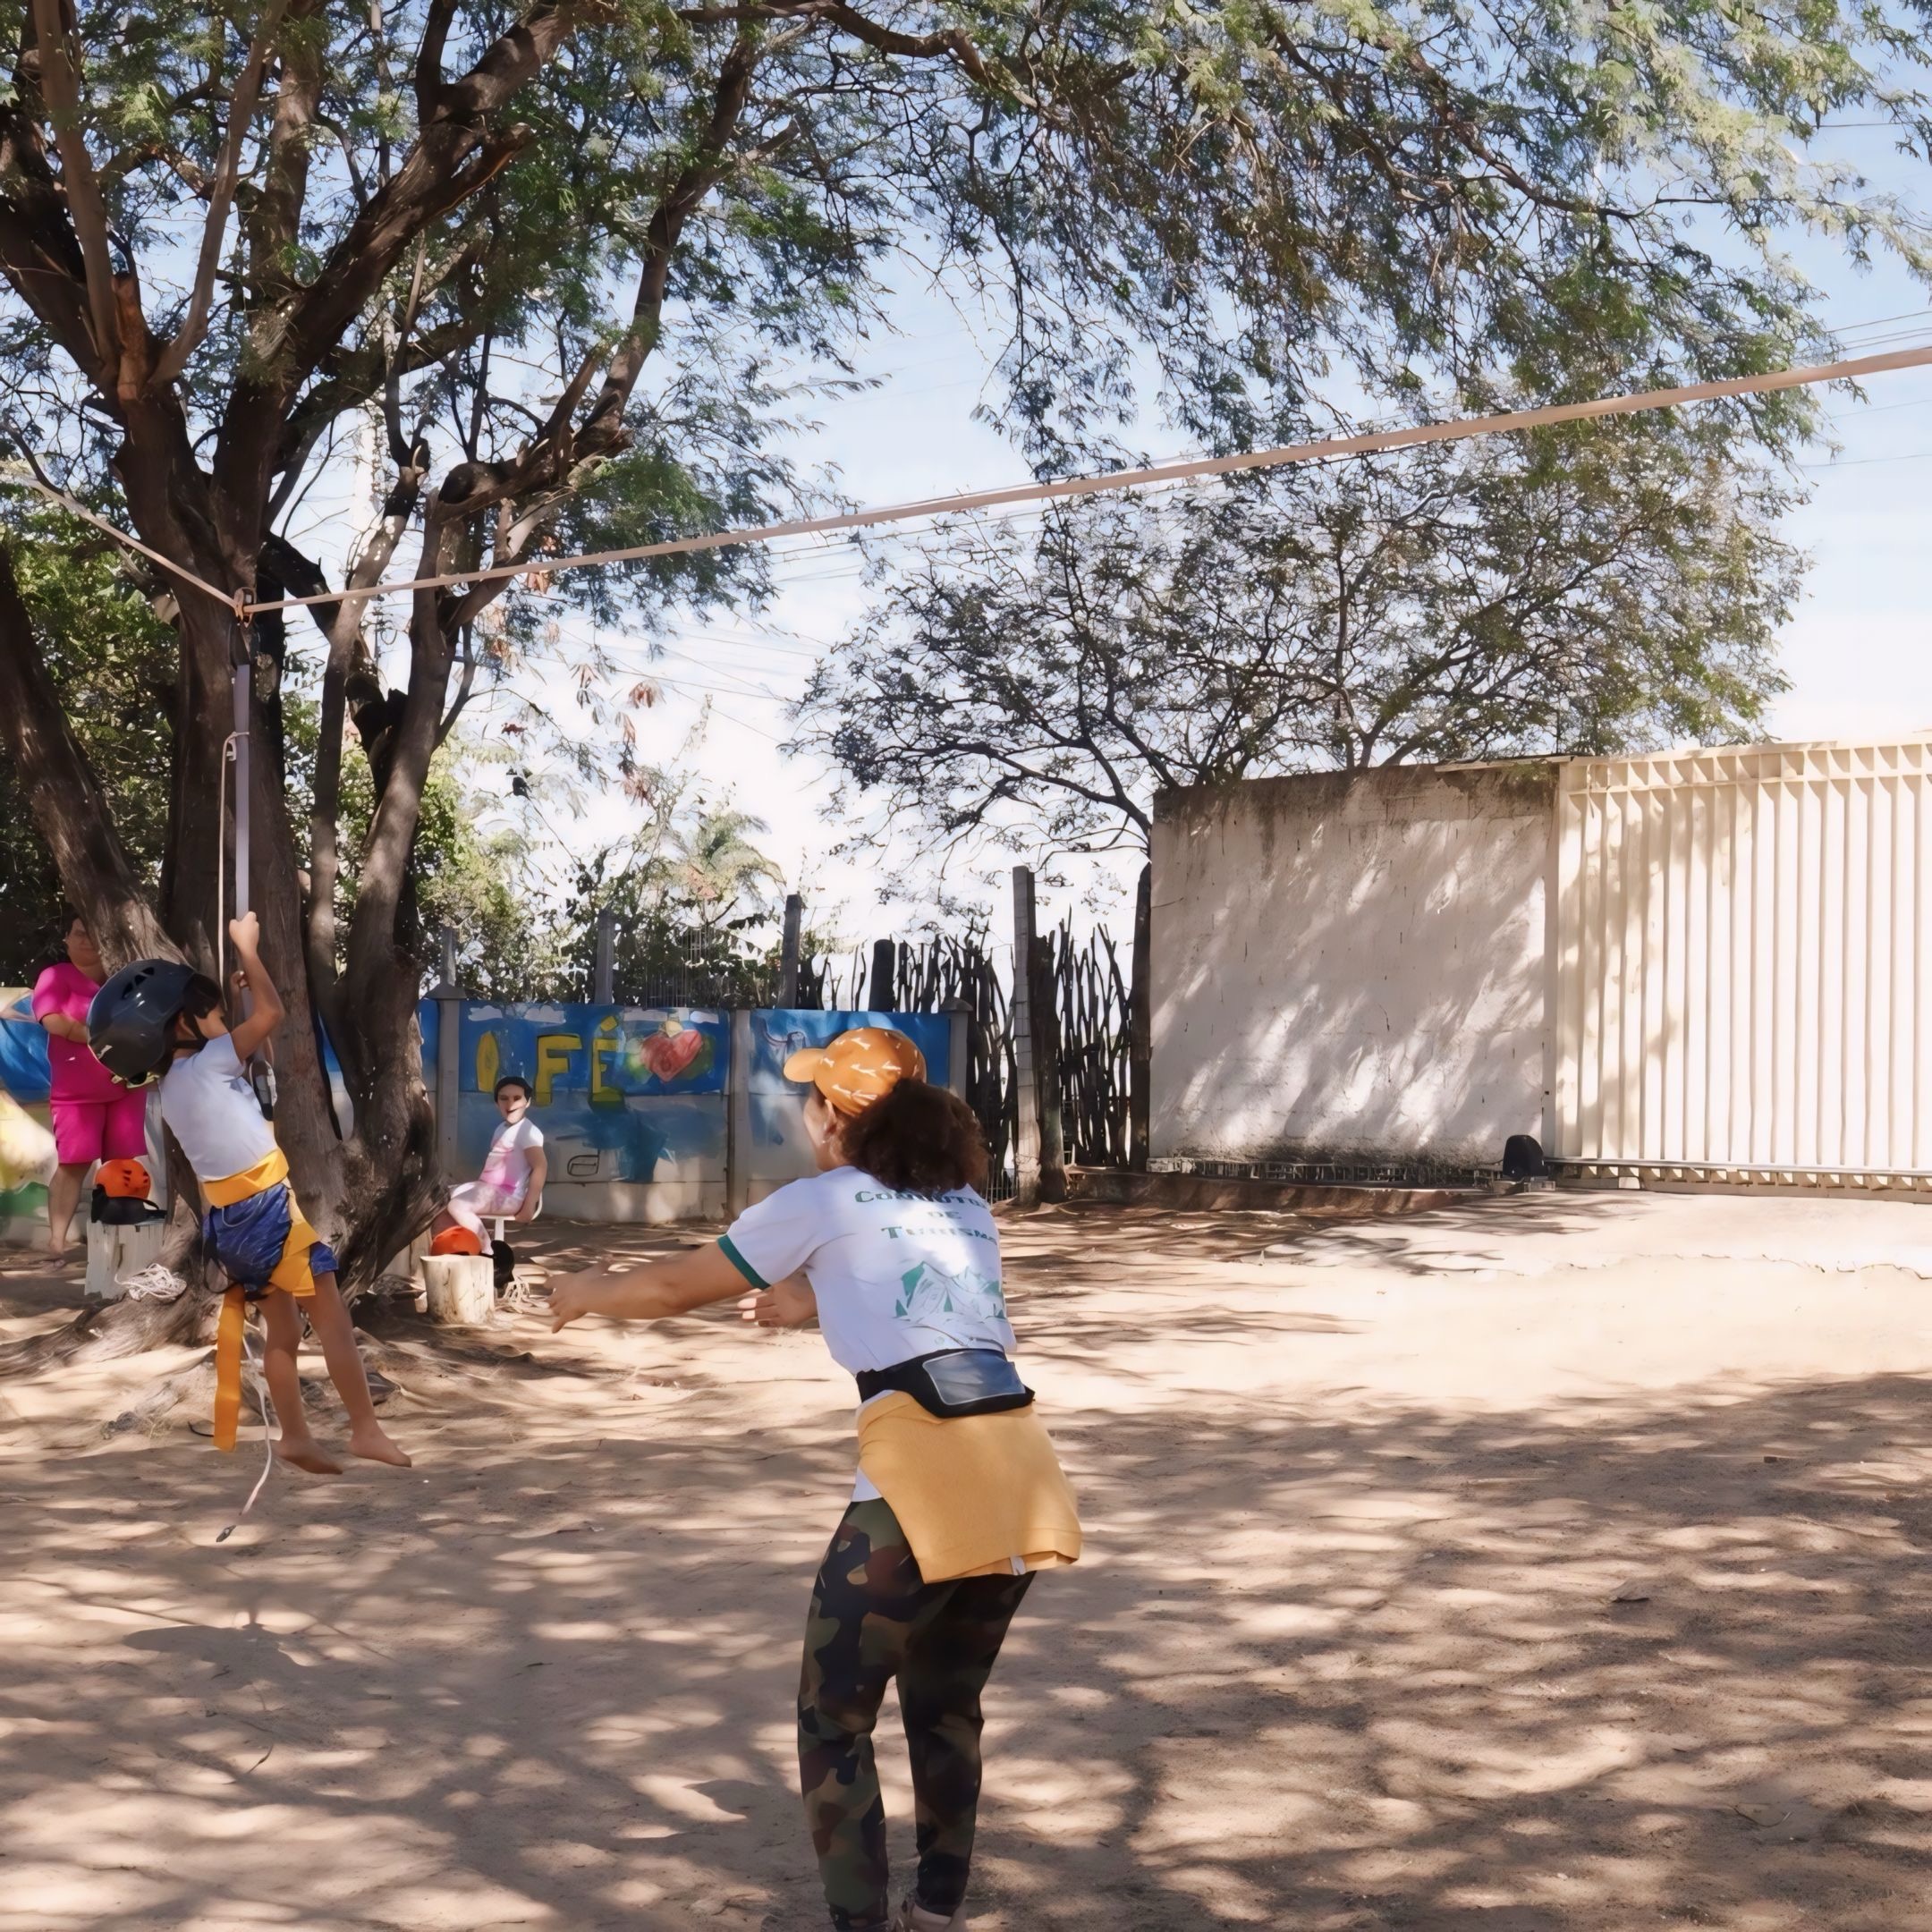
x=667, y=1054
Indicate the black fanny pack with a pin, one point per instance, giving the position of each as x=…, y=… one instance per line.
x=951, y=1382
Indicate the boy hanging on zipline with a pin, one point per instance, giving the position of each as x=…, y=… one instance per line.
x=158, y=1018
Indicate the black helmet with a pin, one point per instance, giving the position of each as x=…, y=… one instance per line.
x=131, y=1022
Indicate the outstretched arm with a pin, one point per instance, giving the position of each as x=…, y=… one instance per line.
x=672, y=1286
x=252, y=1035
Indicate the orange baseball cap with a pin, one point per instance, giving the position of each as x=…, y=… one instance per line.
x=859, y=1067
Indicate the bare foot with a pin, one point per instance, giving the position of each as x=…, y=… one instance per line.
x=369, y=1443
x=306, y=1453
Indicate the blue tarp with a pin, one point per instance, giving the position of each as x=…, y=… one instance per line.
x=23, y=1048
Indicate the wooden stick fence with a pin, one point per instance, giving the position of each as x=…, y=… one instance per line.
x=1092, y=1004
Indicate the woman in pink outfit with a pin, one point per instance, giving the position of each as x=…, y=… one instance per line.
x=94, y=1117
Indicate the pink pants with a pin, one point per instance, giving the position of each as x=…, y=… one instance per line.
x=90, y=1131
x=472, y=1204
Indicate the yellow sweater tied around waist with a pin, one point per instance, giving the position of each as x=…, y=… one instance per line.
x=977, y=1495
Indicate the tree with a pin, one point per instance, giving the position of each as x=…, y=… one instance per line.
x=113, y=661
x=684, y=894
x=1574, y=590
x=725, y=879
x=573, y=260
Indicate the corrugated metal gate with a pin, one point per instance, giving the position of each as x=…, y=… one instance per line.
x=1741, y=987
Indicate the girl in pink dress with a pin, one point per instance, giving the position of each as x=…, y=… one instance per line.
x=94, y=1117
x=511, y=1182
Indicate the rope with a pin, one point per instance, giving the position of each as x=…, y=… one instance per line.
x=157, y=1283
x=261, y=1396
x=26, y=480
x=1457, y=430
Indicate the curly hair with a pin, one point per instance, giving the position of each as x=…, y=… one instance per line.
x=918, y=1139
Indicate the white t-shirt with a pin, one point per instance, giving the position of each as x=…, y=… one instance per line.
x=507, y=1168
x=211, y=1109
x=896, y=1275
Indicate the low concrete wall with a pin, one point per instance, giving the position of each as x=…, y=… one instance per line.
x=1204, y=1193
x=652, y=1202
x=1353, y=966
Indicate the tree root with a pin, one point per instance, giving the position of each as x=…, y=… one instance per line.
x=108, y=1333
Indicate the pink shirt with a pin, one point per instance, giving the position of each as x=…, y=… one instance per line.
x=73, y=1072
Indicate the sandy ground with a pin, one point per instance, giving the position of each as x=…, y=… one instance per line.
x=1557, y=1564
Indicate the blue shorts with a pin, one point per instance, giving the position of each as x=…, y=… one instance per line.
x=263, y=1243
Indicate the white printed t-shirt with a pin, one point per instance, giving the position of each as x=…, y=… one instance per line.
x=211, y=1109
x=507, y=1168
x=896, y=1275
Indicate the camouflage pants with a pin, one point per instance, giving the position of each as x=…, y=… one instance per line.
x=873, y=1619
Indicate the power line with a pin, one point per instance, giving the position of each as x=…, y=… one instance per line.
x=1854, y=463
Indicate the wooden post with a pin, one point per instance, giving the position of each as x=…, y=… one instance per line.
x=115, y=1253
x=1046, y=1017
x=788, y=958
x=738, y=1116
x=1027, y=1141
x=1141, y=1024
x=959, y=1046
x=604, y=970
x=882, y=992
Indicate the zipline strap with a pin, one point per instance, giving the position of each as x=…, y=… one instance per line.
x=29, y=481
x=1455, y=431
x=1176, y=472
x=228, y=1367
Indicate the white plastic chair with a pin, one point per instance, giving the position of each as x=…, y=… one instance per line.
x=500, y=1222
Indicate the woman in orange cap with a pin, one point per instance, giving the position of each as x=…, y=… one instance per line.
x=959, y=1498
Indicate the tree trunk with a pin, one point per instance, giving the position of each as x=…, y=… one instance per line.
x=198, y=891
x=127, y=1327
x=69, y=808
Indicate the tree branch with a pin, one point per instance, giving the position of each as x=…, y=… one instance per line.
x=241, y=112
x=60, y=88
x=548, y=457
x=456, y=153
x=429, y=85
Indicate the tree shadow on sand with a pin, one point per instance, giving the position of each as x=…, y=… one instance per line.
x=1625, y=1663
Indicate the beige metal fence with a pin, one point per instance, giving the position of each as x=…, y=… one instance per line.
x=1743, y=981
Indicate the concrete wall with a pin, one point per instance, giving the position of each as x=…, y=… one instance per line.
x=1354, y=968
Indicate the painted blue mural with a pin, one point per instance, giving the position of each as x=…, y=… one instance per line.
x=779, y=1149
x=622, y=1093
